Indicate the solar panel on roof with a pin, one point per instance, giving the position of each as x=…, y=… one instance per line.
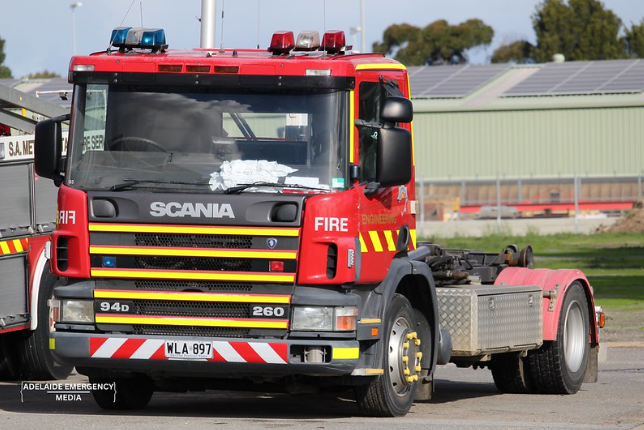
x=451, y=81
x=583, y=77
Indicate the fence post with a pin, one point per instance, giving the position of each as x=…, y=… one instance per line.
x=422, y=206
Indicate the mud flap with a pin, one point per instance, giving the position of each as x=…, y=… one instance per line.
x=593, y=365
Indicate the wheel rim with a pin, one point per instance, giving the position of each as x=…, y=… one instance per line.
x=404, y=356
x=574, y=337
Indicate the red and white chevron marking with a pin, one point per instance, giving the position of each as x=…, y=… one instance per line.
x=154, y=349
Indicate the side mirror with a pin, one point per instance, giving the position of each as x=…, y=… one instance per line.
x=396, y=109
x=48, y=148
x=393, y=161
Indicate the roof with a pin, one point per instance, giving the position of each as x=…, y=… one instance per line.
x=538, y=85
x=54, y=90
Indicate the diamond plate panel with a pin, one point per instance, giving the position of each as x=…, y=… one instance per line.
x=483, y=319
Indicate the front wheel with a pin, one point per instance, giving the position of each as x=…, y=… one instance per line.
x=127, y=393
x=392, y=393
x=559, y=366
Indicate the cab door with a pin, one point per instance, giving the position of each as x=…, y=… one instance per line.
x=382, y=211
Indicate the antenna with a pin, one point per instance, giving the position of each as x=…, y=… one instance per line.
x=141, y=5
x=223, y=8
x=121, y=24
x=258, y=18
x=324, y=13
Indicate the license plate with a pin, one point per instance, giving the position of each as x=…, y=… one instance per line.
x=188, y=349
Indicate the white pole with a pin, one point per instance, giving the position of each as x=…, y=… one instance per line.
x=208, y=19
x=363, y=28
x=577, y=191
x=73, y=7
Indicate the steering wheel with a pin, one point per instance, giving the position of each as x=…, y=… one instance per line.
x=121, y=144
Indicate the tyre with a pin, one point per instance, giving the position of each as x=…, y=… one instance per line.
x=33, y=347
x=392, y=393
x=511, y=374
x=559, y=366
x=9, y=360
x=129, y=394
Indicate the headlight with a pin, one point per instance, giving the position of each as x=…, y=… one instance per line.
x=317, y=318
x=77, y=311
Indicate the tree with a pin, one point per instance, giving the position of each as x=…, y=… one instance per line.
x=634, y=40
x=437, y=43
x=5, y=72
x=46, y=74
x=519, y=52
x=580, y=30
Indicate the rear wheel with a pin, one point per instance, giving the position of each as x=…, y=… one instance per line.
x=511, y=374
x=8, y=357
x=33, y=347
x=559, y=367
x=127, y=394
x=392, y=393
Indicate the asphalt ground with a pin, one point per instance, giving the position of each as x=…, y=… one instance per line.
x=464, y=399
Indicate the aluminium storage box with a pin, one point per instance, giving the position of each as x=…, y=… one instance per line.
x=483, y=319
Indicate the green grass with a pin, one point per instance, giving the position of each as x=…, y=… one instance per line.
x=613, y=262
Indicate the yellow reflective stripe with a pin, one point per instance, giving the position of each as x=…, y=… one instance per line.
x=370, y=321
x=180, y=229
x=18, y=245
x=52, y=343
x=5, y=248
x=363, y=245
x=346, y=353
x=412, y=233
x=195, y=275
x=186, y=321
x=352, y=112
x=191, y=252
x=375, y=241
x=381, y=66
x=191, y=296
x=390, y=240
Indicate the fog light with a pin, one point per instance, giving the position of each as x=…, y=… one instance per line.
x=77, y=311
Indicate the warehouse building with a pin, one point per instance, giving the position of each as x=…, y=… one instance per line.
x=528, y=139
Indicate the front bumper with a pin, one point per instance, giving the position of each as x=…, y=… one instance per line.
x=231, y=357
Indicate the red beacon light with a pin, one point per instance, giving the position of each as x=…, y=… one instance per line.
x=333, y=41
x=282, y=42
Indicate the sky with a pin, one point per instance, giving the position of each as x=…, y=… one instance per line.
x=38, y=34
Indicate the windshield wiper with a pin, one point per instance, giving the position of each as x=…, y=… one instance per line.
x=127, y=183
x=241, y=187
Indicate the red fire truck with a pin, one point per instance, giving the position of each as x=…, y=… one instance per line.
x=26, y=220
x=229, y=218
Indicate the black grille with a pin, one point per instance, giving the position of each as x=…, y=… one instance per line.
x=192, y=263
x=192, y=286
x=193, y=240
x=189, y=309
x=162, y=330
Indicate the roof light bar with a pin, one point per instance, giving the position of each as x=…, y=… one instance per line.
x=145, y=38
x=333, y=41
x=282, y=42
x=308, y=41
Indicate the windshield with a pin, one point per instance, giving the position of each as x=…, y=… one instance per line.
x=206, y=140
